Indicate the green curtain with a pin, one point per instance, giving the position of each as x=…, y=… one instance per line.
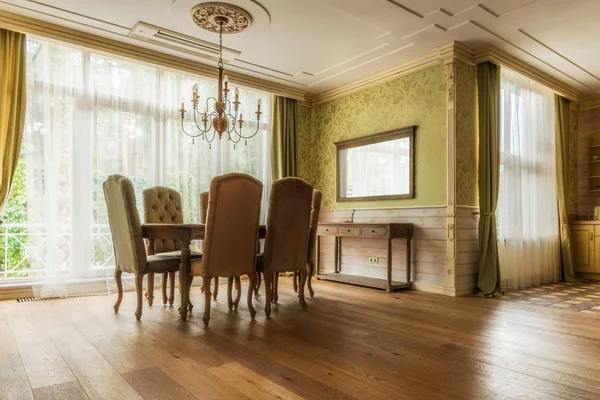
x=488, y=88
x=283, y=143
x=12, y=106
x=562, y=111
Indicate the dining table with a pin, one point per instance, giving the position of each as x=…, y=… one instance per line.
x=185, y=233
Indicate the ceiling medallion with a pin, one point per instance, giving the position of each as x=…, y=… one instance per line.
x=216, y=16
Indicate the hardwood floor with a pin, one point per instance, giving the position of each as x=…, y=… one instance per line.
x=352, y=343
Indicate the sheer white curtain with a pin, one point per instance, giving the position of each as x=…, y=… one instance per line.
x=528, y=229
x=89, y=116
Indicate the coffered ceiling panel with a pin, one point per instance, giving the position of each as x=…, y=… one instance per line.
x=317, y=45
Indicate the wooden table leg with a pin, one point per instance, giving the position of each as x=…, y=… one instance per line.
x=389, y=266
x=318, y=255
x=408, y=263
x=184, y=273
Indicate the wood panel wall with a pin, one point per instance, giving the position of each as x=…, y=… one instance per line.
x=428, y=247
x=467, y=248
x=588, y=134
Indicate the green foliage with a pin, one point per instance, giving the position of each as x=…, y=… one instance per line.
x=14, y=248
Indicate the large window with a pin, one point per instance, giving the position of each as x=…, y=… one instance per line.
x=528, y=228
x=90, y=115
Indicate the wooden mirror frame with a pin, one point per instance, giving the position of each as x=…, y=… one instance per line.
x=408, y=132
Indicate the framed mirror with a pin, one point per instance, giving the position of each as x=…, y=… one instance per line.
x=376, y=167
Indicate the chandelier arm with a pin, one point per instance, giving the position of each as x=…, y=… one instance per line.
x=209, y=141
x=190, y=134
x=202, y=130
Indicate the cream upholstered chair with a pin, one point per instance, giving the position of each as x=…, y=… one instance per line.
x=312, y=242
x=163, y=205
x=286, y=242
x=229, y=246
x=203, y=210
x=126, y=230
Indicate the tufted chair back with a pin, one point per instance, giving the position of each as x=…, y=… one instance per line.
x=288, y=222
x=125, y=226
x=162, y=205
x=203, y=206
x=314, y=223
x=229, y=246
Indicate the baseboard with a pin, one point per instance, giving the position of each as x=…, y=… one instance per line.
x=587, y=275
x=17, y=292
x=427, y=287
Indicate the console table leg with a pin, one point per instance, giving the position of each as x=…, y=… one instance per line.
x=318, y=255
x=389, y=266
x=408, y=263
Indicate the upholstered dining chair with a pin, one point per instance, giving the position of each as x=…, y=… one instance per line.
x=312, y=243
x=163, y=205
x=203, y=210
x=229, y=246
x=286, y=242
x=126, y=230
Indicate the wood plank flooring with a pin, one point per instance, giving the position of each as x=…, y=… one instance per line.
x=352, y=343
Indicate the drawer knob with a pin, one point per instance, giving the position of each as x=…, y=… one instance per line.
x=373, y=231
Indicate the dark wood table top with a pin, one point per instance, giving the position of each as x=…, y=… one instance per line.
x=182, y=231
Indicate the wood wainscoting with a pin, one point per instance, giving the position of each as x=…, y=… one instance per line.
x=429, y=247
x=467, y=249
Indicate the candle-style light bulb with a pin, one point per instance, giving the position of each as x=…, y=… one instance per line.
x=226, y=81
x=258, y=105
x=237, y=94
x=195, y=88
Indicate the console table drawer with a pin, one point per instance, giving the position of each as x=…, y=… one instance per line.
x=327, y=230
x=366, y=231
x=351, y=230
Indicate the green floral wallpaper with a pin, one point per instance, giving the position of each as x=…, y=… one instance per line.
x=416, y=99
x=466, y=135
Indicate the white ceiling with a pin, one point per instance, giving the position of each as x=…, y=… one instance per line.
x=319, y=45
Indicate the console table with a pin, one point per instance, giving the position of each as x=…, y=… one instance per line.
x=357, y=230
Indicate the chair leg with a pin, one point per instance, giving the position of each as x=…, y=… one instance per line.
x=275, y=288
x=119, y=284
x=268, y=293
x=165, y=276
x=139, y=288
x=311, y=272
x=171, y=288
x=252, y=279
x=216, y=291
x=206, y=286
x=238, y=290
x=150, y=290
x=257, y=286
x=295, y=281
x=189, y=289
x=230, y=292
x=301, y=290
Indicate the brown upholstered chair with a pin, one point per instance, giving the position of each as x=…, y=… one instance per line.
x=229, y=246
x=163, y=205
x=203, y=210
x=126, y=230
x=286, y=242
x=312, y=242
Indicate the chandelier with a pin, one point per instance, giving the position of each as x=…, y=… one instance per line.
x=221, y=115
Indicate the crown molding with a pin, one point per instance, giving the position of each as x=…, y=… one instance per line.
x=592, y=104
x=455, y=51
x=504, y=59
x=32, y=26
x=446, y=53
x=344, y=90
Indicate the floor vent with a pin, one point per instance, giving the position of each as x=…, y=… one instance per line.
x=72, y=295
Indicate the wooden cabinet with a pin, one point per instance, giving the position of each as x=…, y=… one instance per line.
x=586, y=247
